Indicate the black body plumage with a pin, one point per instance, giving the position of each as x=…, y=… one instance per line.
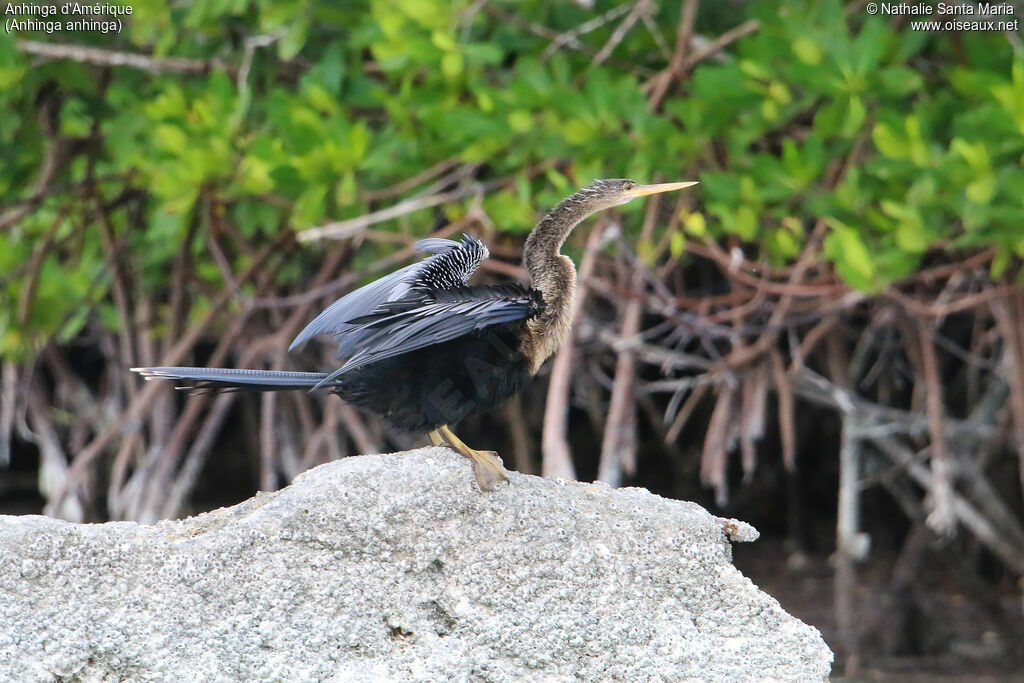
x=440, y=384
x=437, y=355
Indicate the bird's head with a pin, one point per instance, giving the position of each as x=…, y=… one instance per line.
x=609, y=192
x=550, y=233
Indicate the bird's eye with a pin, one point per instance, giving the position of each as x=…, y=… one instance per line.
x=627, y=186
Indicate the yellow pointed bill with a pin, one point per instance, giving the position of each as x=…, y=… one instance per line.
x=644, y=190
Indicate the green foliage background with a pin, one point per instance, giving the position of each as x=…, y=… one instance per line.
x=361, y=95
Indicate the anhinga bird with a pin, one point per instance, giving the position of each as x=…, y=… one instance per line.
x=423, y=349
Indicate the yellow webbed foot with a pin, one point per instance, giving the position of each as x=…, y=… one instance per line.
x=487, y=466
x=489, y=470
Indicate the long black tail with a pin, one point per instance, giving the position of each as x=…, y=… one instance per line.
x=225, y=379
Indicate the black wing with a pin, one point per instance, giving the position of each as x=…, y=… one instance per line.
x=430, y=317
x=452, y=264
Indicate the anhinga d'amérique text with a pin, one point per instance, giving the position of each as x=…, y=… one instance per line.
x=423, y=349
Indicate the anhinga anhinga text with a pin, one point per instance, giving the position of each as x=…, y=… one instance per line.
x=423, y=349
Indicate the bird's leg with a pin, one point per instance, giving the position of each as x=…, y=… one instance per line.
x=487, y=466
x=436, y=438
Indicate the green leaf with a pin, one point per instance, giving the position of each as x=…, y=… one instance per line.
x=982, y=190
x=888, y=143
x=851, y=255
x=171, y=139
x=309, y=207
x=294, y=39
x=677, y=244
x=855, y=115
x=899, y=81
x=745, y=224
x=695, y=225
x=451, y=64
x=830, y=118
x=520, y=120
x=778, y=91
x=254, y=175
x=1000, y=262
x=807, y=50
x=507, y=210
x=911, y=234
x=783, y=244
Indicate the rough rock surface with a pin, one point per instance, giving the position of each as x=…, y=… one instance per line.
x=395, y=567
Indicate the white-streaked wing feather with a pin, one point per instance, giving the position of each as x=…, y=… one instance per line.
x=451, y=266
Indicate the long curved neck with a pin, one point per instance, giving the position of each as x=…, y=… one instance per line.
x=546, y=239
x=554, y=276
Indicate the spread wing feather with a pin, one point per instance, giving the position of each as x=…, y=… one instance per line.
x=435, y=317
x=451, y=265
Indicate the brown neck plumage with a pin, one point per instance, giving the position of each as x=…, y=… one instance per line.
x=554, y=276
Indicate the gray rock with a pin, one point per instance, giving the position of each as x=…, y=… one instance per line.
x=395, y=567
